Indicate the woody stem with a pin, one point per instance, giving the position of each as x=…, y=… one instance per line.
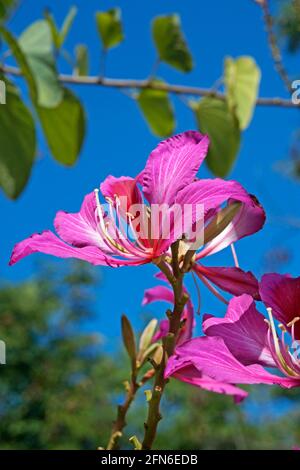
x=180, y=298
x=120, y=422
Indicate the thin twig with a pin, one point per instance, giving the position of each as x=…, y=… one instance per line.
x=120, y=422
x=273, y=45
x=153, y=85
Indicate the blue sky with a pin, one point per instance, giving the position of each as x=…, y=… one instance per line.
x=118, y=140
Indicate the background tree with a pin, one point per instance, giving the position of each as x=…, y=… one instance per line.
x=59, y=387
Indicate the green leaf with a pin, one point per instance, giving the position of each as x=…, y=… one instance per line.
x=59, y=37
x=18, y=143
x=158, y=111
x=242, y=78
x=64, y=128
x=36, y=44
x=21, y=60
x=110, y=27
x=53, y=28
x=215, y=119
x=67, y=24
x=81, y=60
x=170, y=42
x=128, y=338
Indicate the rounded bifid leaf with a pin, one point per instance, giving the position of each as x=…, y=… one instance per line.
x=18, y=143
x=220, y=123
x=158, y=111
x=170, y=42
x=109, y=27
x=242, y=78
x=64, y=128
x=81, y=60
x=128, y=338
x=36, y=44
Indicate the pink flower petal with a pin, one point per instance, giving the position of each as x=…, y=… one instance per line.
x=162, y=293
x=123, y=187
x=158, y=293
x=48, y=243
x=80, y=228
x=211, y=193
x=233, y=280
x=173, y=165
x=189, y=374
x=250, y=218
x=212, y=358
x=243, y=330
x=282, y=294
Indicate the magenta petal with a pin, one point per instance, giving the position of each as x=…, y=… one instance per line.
x=250, y=219
x=162, y=293
x=173, y=165
x=282, y=294
x=80, y=228
x=189, y=374
x=122, y=187
x=211, y=193
x=158, y=293
x=163, y=330
x=47, y=242
x=204, y=197
x=243, y=330
x=212, y=358
x=233, y=280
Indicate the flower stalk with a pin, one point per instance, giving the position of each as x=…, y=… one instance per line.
x=180, y=298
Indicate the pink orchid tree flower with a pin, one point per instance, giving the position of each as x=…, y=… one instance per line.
x=236, y=348
x=112, y=234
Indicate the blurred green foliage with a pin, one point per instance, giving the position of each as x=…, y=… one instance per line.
x=59, y=388
x=289, y=23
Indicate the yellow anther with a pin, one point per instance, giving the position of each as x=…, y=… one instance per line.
x=282, y=327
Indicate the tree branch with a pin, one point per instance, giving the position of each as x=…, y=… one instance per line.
x=154, y=415
x=146, y=83
x=274, y=48
x=120, y=421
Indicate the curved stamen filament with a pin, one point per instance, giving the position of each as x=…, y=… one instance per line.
x=198, y=293
x=278, y=351
x=292, y=324
x=104, y=227
x=234, y=255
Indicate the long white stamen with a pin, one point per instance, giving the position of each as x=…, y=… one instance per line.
x=235, y=258
x=104, y=227
x=279, y=355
